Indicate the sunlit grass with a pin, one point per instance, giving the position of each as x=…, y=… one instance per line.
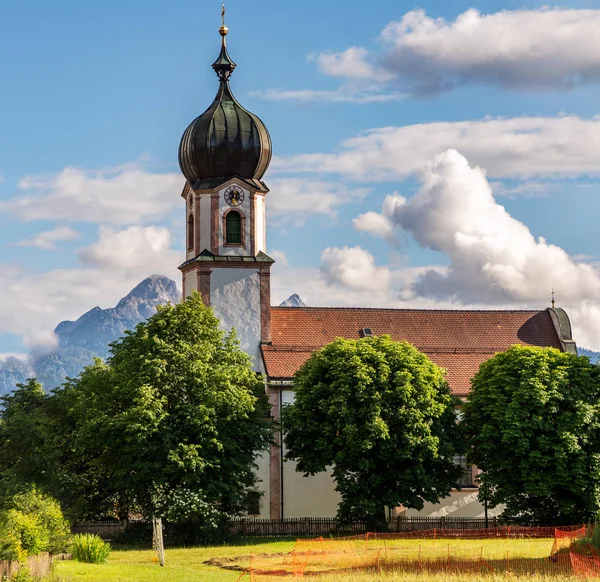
x=226, y=563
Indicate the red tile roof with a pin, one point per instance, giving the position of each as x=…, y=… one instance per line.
x=458, y=341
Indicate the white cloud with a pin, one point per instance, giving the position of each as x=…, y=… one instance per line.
x=350, y=64
x=297, y=199
x=521, y=49
x=47, y=240
x=346, y=94
x=517, y=147
x=32, y=304
x=122, y=195
x=354, y=268
x=135, y=248
x=379, y=224
x=495, y=260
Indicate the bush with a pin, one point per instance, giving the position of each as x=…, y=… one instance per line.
x=32, y=523
x=90, y=549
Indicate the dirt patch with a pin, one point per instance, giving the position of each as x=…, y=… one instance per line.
x=234, y=563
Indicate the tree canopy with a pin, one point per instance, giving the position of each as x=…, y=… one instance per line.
x=381, y=415
x=532, y=424
x=176, y=407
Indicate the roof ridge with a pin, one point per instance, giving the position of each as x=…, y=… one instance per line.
x=419, y=309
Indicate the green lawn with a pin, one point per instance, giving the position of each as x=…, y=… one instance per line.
x=187, y=565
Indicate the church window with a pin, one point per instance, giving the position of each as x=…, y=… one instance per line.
x=191, y=232
x=233, y=228
x=466, y=477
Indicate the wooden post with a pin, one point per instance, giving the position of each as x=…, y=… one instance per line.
x=158, y=544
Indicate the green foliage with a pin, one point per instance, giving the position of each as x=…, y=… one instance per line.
x=90, y=549
x=32, y=524
x=381, y=414
x=176, y=407
x=532, y=422
x=24, y=457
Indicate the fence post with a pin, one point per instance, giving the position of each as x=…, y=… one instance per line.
x=442, y=523
x=244, y=530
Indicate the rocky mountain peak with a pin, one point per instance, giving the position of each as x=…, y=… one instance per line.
x=293, y=301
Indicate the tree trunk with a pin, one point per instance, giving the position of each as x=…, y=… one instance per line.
x=378, y=521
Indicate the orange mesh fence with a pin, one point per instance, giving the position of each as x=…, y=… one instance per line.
x=336, y=554
x=585, y=566
x=387, y=551
x=269, y=568
x=564, y=538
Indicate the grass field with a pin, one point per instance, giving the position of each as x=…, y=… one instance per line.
x=225, y=563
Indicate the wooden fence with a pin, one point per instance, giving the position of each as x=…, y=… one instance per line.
x=307, y=526
x=318, y=526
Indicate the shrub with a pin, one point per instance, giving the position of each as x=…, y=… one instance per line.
x=90, y=549
x=49, y=518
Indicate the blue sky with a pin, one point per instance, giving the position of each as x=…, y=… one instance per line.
x=361, y=99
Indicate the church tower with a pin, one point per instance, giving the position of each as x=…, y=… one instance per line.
x=223, y=155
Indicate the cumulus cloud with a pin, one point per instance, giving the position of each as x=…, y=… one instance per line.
x=508, y=148
x=494, y=258
x=298, y=199
x=32, y=304
x=355, y=268
x=522, y=49
x=122, y=195
x=47, y=240
x=132, y=249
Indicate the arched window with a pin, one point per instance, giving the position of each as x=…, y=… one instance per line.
x=191, y=232
x=233, y=228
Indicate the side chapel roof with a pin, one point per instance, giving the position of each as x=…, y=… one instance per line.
x=457, y=340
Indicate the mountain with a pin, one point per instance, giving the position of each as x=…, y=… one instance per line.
x=79, y=342
x=12, y=372
x=593, y=356
x=293, y=301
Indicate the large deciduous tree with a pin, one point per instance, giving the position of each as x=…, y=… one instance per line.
x=532, y=421
x=176, y=412
x=380, y=414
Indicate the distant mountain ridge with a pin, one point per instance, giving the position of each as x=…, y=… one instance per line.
x=80, y=341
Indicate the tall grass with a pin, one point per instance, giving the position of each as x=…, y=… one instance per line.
x=90, y=549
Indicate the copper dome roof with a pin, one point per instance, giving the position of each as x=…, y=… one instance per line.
x=227, y=140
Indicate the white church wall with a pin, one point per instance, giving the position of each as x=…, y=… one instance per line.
x=306, y=496
x=260, y=224
x=235, y=299
x=191, y=283
x=459, y=504
x=263, y=473
x=204, y=223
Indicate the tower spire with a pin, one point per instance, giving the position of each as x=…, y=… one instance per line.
x=223, y=30
x=553, y=300
x=223, y=66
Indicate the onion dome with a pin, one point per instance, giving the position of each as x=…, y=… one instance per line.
x=227, y=140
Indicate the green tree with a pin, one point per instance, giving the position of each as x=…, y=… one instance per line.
x=381, y=415
x=24, y=431
x=532, y=425
x=176, y=406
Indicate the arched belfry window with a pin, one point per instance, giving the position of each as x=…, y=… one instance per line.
x=191, y=232
x=233, y=228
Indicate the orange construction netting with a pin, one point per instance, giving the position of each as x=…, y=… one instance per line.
x=387, y=552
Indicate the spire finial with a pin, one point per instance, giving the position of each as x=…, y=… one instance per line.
x=553, y=301
x=223, y=30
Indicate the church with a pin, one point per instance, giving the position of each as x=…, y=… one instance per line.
x=223, y=155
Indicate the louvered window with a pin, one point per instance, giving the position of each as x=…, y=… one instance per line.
x=233, y=227
x=191, y=232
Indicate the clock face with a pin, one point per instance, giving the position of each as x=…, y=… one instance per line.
x=234, y=196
